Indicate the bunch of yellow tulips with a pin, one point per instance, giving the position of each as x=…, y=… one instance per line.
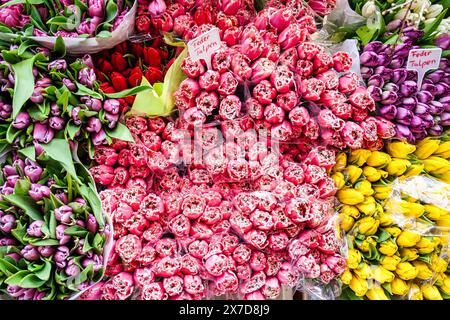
x=387, y=259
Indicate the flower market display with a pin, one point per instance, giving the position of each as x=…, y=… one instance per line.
x=224, y=149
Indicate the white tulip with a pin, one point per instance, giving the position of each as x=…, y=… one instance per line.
x=368, y=9
x=434, y=10
x=419, y=5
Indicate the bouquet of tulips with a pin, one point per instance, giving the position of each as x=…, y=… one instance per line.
x=397, y=240
x=45, y=96
x=54, y=239
x=65, y=18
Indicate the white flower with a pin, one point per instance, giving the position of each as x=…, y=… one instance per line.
x=433, y=11
x=420, y=5
x=368, y=9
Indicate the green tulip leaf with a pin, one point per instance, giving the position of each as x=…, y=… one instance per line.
x=128, y=92
x=120, y=132
x=26, y=203
x=23, y=84
x=16, y=278
x=59, y=150
x=44, y=242
x=22, y=187
x=13, y=2
x=431, y=28
x=85, y=91
x=45, y=272
x=29, y=152
x=31, y=281
x=76, y=231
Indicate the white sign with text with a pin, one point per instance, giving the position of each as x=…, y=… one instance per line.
x=204, y=46
x=423, y=60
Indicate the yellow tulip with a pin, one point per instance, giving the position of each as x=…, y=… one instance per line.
x=346, y=277
x=438, y=264
x=443, y=150
x=341, y=162
x=371, y=174
x=443, y=222
x=385, y=219
x=434, y=212
x=426, y=148
x=415, y=293
x=352, y=173
x=425, y=245
x=382, y=275
x=339, y=180
x=406, y=271
x=382, y=192
x=384, y=174
x=378, y=159
x=365, y=187
x=413, y=170
x=446, y=284
x=411, y=209
x=430, y=292
x=364, y=271
x=346, y=222
x=354, y=258
x=408, y=239
x=435, y=165
x=359, y=157
x=399, y=287
x=350, y=196
x=439, y=279
x=368, y=226
x=390, y=263
x=397, y=167
x=376, y=293
x=359, y=286
x=388, y=248
x=425, y=273
x=350, y=211
x=368, y=207
x=364, y=246
x=394, y=231
x=400, y=149
x=409, y=254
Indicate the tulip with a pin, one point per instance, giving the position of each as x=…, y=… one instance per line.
x=388, y=248
x=438, y=264
x=350, y=196
x=92, y=224
x=112, y=106
x=354, y=258
x=364, y=271
x=35, y=229
x=87, y=77
x=368, y=226
x=42, y=133
x=443, y=41
x=406, y=271
x=7, y=223
x=382, y=275
x=424, y=273
x=425, y=246
x=369, y=59
x=57, y=65
x=33, y=171
x=376, y=293
x=63, y=238
x=30, y=253
x=98, y=138
x=378, y=159
x=22, y=120
x=400, y=149
x=61, y=256
x=96, y=8
x=397, y=167
x=430, y=292
x=37, y=192
x=409, y=254
x=408, y=239
x=56, y=123
x=46, y=251
x=94, y=125
x=72, y=270
x=359, y=286
x=63, y=214
x=388, y=112
x=69, y=84
x=352, y=173
x=156, y=8
x=92, y=103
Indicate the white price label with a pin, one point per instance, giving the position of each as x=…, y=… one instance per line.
x=423, y=60
x=204, y=46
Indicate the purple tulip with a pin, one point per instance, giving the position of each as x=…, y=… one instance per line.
x=5, y=110
x=80, y=201
x=10, y=16
x=46, y=251
x=75, y=117
x=33, y=171
x=28, y=294
x=60, y=256
x=81, y=223
x=408, y=88
x=436, y=108
x=19, y=163
x=72, y=269
x=87, y=60
x=391, y=87
x=366, y=72
x=56, y=123
x=7, y=223
x=69, y=84
x=442, y=89
x=443, y=41
x=38, y=148
x=87, y=77
x=375, y=93
x=436, y=76
x=35, y=229
x=388, y=112
x=79, y=248
x=38, y=191
x=416, y=125
x=63, y=238
x=424, y=96
x=92, y=224
x=421, y=108
x=112, y=106
x=397, y=63
x=64, y=214
x=445, y=102
x=98, y=138
x=385, y=73
x=39, y=295
x=445, y=119
x=88, y=26
x=42, y=133
x=12, y=180
x=374, y=46
x=412, y=33
x=96, y=261
x=94, y=125
x=375, y=80
x=399, y=75
x=369, y=59
x=6, y=190
x=403, y=132
x=404, y=116
x=15, y=291
x=96, y=8
x=22, y=120
x=58, y=65
x=4, y=242
x=427, y=119
x=394, y=25
x=112, y=119
x=402, y=50
x=61, y=196
x=9, y=170
x=408, y=103
x=54, y=110
x=388, y=97
x=30, y=253
x=435, y=130
x=14, y=256
x=92, y=103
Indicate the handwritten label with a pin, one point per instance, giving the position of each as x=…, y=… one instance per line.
x=423, y=60
x=204, y=46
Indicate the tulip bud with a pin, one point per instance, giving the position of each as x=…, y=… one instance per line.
x=30, y=253
x=37, y=192
x=359, y=286
x=42, y=133
x=61, y=255
x=390, y=262
x=368, y=9
x=21, y=121
x=112, y=106
x=34, y=229
x=430, y=292
x=56, y=123
x=57, y=65
x=94, y=125
x=72, y=270
x=46, y=251
x=63, y=239
x=92, y=224
x=69, y=84
x=354, y=258
x=87, y=77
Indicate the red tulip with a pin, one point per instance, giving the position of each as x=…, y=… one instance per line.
x=105, y=66
x=107, y=88
x=137, y=49
x=143, y=23
x=135, y=77
x=118, y=61
x=154, y=75
x=152, y=57
x=119, y=82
